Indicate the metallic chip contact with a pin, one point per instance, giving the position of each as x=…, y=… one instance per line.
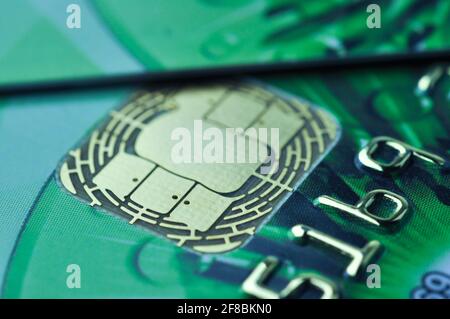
x=125, y=166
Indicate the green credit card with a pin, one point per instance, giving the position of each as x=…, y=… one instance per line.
x=62, y=39
x=314, y=185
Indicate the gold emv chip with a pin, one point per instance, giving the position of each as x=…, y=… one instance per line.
x=170, y=160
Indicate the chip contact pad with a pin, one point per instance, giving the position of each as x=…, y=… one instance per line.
x=126, y=166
